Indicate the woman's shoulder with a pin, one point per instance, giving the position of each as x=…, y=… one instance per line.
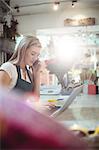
x=10, y=68
x=7, y=64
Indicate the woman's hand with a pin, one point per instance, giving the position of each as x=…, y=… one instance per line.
x=37, y=66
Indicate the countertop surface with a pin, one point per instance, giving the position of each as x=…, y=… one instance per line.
x=83, y=111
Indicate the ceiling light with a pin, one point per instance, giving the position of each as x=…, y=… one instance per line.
x=73, y=3
x=56, y=5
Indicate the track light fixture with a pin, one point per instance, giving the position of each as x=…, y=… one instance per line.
x=73, y=3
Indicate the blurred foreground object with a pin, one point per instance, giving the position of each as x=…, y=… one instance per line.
x=91, y=136
x=22, y=127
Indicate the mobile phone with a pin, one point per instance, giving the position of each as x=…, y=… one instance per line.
x=36, y=62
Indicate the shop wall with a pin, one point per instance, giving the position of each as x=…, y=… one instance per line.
x=28, y=24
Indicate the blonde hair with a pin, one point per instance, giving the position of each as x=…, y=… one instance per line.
x=22, y=47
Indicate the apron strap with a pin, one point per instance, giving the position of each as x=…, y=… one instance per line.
x=18, y=71
x=29, y=75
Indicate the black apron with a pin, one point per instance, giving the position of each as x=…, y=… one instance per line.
x=22, y=85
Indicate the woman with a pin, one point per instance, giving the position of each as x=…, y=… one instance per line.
x=16, y=74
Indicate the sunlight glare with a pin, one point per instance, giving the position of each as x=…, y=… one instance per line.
x=67, y=49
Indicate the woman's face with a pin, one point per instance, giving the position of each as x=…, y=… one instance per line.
x=32, y=55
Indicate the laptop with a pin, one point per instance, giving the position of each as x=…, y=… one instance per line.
x=68, y=102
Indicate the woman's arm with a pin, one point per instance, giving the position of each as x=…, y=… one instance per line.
x=4, y=78
x=37, y=84
x=36, y=74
